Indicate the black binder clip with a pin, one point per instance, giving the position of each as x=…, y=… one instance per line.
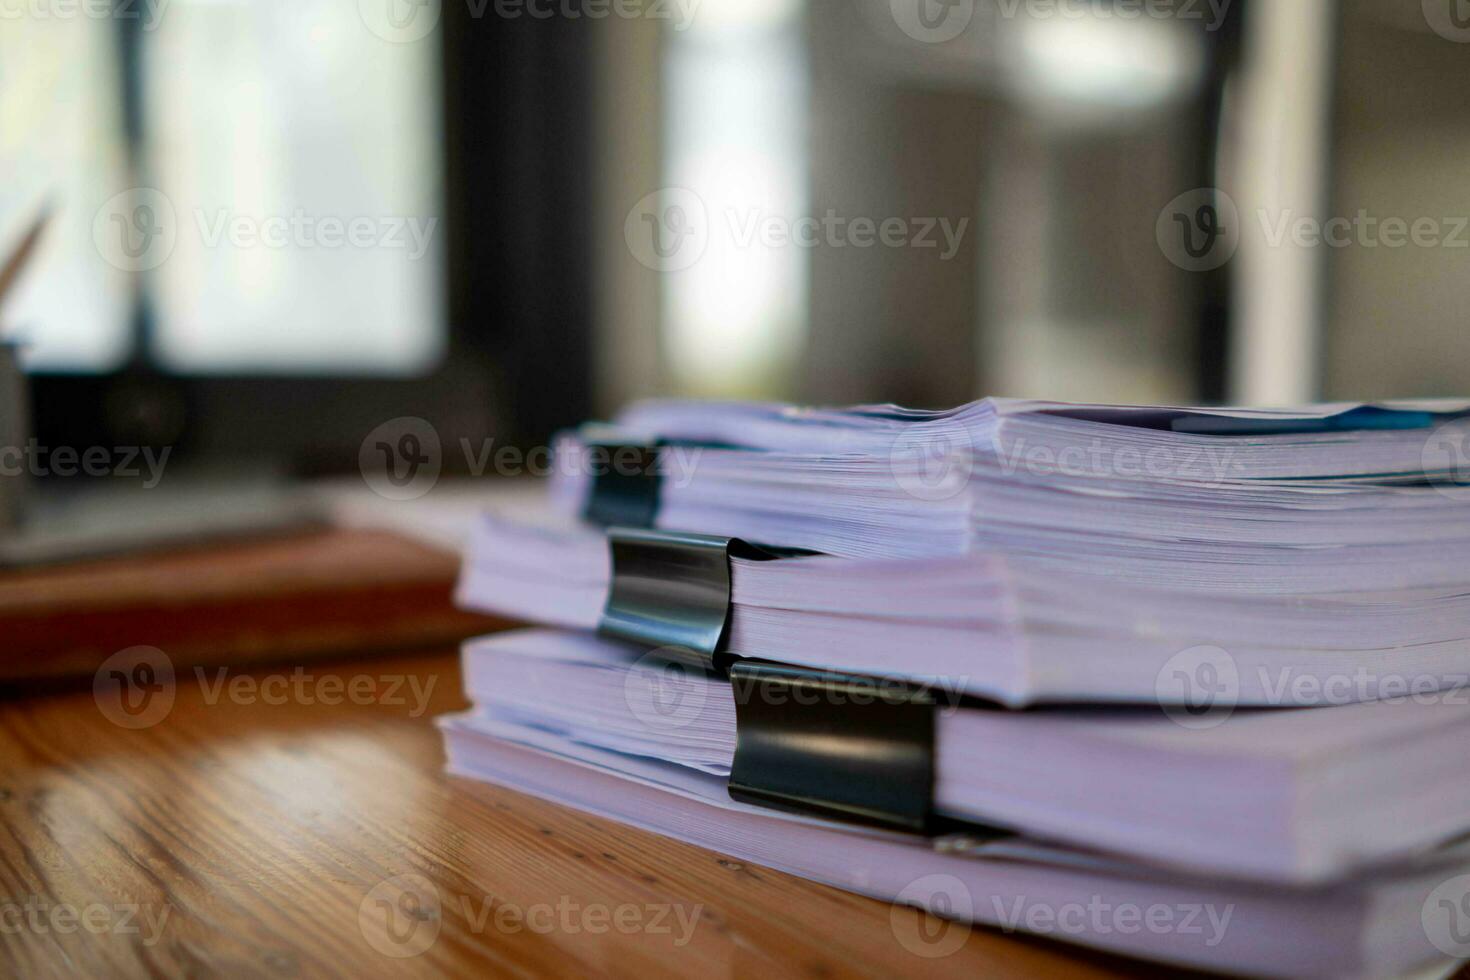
x=834, y=745
x=672, y=590
x=842, y=747
x=626, y=480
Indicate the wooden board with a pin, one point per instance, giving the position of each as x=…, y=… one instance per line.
x=320, y=593
x=243, y=838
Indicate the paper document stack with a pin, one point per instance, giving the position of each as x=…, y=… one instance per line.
x=1183, y=684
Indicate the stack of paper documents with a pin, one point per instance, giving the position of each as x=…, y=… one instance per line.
x=1006, y=627
x=1074, y=485
x=1206, y=668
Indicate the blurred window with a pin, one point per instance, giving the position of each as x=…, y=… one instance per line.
x=62, y=143
x=282, y=210
x=736, y=130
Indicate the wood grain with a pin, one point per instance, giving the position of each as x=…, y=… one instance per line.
x=327, y=592
x=248, y=840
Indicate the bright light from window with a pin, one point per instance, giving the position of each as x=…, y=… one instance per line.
x=1091, y=61
x=61, y=141
x=300, y=153
x=736, y=124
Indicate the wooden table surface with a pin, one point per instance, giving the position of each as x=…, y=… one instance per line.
x=288, y=822
x=318, y=593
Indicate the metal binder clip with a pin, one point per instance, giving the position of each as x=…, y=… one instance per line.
x=843, y=747
x=672, y=589
x=834, y=745
x=625, y=484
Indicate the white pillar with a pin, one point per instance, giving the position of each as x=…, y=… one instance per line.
x=1279, y=166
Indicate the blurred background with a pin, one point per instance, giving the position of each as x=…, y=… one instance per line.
x=270, y=226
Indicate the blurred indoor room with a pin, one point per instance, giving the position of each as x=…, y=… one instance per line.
x=337, y=335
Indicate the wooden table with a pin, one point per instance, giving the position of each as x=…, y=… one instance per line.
x=235, y=836
x=292, y=598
